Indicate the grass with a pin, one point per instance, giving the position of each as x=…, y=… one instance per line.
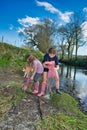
x=14, y=56
x=68, y=117
x=10, y=96
x=65, y=103
x=60, y=121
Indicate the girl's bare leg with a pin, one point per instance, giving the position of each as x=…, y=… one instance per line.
x=57, y=83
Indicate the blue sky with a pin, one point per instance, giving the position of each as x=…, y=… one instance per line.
x=16, y=14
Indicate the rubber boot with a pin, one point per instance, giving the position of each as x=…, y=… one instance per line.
x=36, y=88
x=27, y=84
x=42, y=90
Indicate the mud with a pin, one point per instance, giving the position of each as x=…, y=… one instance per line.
x=25, y=114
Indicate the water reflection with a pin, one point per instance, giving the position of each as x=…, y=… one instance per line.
x=74, y=81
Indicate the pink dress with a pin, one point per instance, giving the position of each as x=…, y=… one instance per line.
x=51, y=72
x=39, y=66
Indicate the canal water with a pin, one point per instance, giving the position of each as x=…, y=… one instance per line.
x=73, y=80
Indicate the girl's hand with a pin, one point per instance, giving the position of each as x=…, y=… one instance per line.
x=45, y=65
x=55, y=69
x=27, y=76
x=32, y=78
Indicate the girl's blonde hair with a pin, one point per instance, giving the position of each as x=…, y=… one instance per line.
x=31, y=59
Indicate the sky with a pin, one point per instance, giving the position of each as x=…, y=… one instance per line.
x=17, y=14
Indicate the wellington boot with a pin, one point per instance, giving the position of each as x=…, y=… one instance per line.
x=36, y=88
x=27, y=84
x=43, y=88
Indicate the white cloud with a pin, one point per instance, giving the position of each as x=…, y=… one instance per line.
x=85, y=9
x=21, y=30
x=49, y=7
x=65, y=16
x=28, y=21
x=60, y=24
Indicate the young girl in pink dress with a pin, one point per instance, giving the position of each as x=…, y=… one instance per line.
x=37, y=73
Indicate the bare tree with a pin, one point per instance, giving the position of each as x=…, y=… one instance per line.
x=73, y=34
x=61, y=39
x=69, y=33
x=66, y=43
x=40, y=35
x=77, y=20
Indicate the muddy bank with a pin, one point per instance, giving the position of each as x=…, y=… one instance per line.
x=24, y=115
x=27, y=111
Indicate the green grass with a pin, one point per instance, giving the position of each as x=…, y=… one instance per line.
x=60, y=121
x=65, y=103
x=15, y=56
x=10, y=98
x=68, y=117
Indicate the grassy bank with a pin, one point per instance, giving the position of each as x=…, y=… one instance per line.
x=68, y=117
x=80, y=62
x=12, y=60
x=14, y=56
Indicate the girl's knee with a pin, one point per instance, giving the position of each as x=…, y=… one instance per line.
x=44, y=79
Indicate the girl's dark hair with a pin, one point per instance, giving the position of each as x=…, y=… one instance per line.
x=52, y=50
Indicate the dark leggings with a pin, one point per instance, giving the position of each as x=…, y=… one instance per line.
x=36, y=77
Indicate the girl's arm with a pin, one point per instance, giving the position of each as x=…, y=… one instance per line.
x=34, y=72
x=45, y=65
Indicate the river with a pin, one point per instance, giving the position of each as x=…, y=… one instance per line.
x=73, y=80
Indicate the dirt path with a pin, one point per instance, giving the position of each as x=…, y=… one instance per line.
x=24, y=115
